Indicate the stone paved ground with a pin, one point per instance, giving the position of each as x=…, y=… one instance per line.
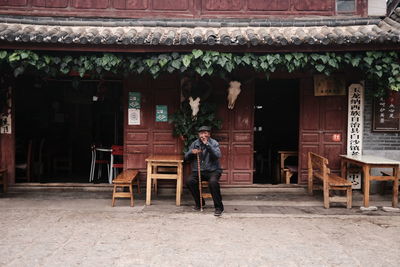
x=275, y=229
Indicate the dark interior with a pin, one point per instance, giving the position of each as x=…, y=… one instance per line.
x=276, y=127
x=57, y=123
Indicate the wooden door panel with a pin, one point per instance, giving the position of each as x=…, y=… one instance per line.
x=309, y=137
x=222, y=5
x=171, y=4
x=243, y=178
x=136, y=161
x=314, y=5
x=224, y=156
x=165, y=149
x=90, y=4
x=333, y=107
x=129, y=4
x=137, y=136
x=222, y=110
x=310, y=108
x=332, y=152
x=163, y=137
x=304, y=154
x=221, y=137
x=320, y=118
x=224, y=178
x=271, y=5
x=241, y=155
x=236, y=135
x=242, y=137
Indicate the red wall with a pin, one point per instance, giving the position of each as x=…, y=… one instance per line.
x=174, y=8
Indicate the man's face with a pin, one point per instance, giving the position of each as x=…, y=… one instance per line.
x=204, y=135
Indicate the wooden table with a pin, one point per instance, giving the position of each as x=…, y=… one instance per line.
x=367, y=162
x=155, y=161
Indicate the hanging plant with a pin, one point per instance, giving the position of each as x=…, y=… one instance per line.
x=383, y=67
x=185, y=126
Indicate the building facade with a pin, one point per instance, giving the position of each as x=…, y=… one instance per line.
x=282, y=112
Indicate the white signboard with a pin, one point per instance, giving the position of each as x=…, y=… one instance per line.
x=133, y=116
x=355, y=125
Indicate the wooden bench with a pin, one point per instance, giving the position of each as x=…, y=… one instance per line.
x=3, y=179
x=318, y=168
x=124, y=179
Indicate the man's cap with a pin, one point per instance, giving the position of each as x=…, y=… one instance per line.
x=204, y=128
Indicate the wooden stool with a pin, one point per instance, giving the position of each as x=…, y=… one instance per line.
x=124, y=179
x=3, y=179
x=204, y=185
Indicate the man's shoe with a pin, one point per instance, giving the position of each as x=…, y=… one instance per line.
x=218, y=212
x=196, y=208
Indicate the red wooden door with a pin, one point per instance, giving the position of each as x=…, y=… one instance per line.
x=321, y=117
x=150, y=137
x=236, y=135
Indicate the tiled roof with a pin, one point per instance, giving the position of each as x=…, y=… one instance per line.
x=200, y=32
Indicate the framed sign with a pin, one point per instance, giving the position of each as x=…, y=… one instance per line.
x=329, y=85
x=386, y=113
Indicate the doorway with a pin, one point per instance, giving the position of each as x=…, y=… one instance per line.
x=276, y=127
x=57, y=124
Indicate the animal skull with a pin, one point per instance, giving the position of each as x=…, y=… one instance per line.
x=194, y=105
x=233, y=92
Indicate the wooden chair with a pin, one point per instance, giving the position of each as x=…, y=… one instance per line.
x=318, y=168
x=124, y=179
x=287, y=171
x=27, y=165
x=3, y=179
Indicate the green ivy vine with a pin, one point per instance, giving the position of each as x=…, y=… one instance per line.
x=185, y=126
x=380, y=66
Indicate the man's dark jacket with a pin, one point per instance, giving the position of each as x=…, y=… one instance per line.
x=209, y=158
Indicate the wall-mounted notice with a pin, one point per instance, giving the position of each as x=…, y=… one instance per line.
x=161, y=113
x=134, y=108
x=386, y=113
x=134, y=100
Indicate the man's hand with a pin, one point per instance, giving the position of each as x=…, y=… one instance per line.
x=204, y=140
x=196, y=151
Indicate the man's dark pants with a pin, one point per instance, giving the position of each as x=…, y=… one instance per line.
x=192, y=184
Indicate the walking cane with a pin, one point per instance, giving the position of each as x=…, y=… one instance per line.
x=199, y=174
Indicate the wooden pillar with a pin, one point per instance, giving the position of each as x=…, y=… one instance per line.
x=7, y=135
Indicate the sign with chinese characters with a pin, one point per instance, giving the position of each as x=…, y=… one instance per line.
x=329, y=85
x=133, y=116
x=355, y=125
x=161, y=113
x=134, y=108
x=386, y=113
x=134, y=100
